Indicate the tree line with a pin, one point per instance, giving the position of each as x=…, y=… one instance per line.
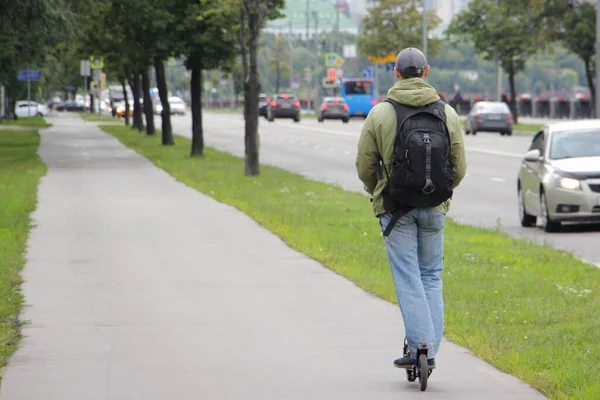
x=133, y=37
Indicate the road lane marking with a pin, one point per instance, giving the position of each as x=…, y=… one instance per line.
x=495, y=152
x=498, y=180
x=354, y=135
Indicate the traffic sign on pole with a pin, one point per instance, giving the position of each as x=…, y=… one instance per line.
x=384, y=59
x=96, y=62
x=333, y=60
x=29, y=75
x=85, y=67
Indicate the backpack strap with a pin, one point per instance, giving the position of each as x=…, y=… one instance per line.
x=404, y=112
x=399, y=212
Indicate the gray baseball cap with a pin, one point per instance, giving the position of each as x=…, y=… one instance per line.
x=411, y=62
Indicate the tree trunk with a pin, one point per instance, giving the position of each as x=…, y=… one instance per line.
x=513, y=96
x=148, y=109
x=136, y=86
x=163, y=93
x=91, y=102
x=10, y=113
x=277, y=74
x=126, y=100
x=244, y=55
x=196, y=92
x=590, y=82
x=251, y=93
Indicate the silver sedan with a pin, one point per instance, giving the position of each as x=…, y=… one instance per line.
x=559, y=179
x=489, y=116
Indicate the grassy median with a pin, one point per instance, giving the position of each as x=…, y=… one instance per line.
x=529, y=310
x=33, y=122
x=20, y=172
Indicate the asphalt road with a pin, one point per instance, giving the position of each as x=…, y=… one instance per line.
x=487, y=197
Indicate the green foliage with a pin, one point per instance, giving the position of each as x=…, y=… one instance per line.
x=392, y=25
x=41, y=35
x=208, y=31
x=145, y=28
x=29, y=28
x=499, y=31
x=277, y=57
x=580, y=31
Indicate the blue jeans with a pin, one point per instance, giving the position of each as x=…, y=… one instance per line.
x=415, y=249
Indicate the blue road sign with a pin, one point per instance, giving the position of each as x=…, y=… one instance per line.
x=368, y=73
x=29, y=75
x=390, y=66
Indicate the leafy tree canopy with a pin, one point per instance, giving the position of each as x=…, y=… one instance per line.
x=391, y=25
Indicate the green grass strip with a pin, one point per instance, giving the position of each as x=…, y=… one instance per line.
x=20, y=172
x=33, y=122
x=530, y=310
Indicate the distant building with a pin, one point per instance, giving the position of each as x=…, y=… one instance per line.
x=446, y=10
x=321, y=15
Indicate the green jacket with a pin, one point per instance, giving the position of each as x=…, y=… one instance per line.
x=379, y=133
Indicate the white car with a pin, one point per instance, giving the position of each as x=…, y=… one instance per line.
x=25, y=109
x=177, y=105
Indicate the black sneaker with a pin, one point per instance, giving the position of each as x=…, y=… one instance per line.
x=431, y=363
x=405, y=362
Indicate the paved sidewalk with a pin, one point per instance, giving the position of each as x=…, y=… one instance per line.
x=138, y=287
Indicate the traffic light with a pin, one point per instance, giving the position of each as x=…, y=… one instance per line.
x=331, y=74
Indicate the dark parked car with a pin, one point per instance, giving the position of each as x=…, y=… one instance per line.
x=284, y=106
x=334, y=108
x=71, y=106
x=263, y=102
x=489, y=116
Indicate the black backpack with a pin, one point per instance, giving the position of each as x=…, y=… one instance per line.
x=421, y=175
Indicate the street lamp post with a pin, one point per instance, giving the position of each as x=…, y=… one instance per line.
x=498, y=71
x=597, y=85
x=425, y=28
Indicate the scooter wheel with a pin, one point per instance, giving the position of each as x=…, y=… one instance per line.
x=423, y=372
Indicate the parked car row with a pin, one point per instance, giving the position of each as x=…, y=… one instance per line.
x=287, y=105
x=176, y=104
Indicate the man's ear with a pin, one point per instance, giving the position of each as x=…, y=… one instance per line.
x=396, y=72
x=426, y=72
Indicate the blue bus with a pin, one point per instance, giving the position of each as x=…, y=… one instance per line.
x=359, y=94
